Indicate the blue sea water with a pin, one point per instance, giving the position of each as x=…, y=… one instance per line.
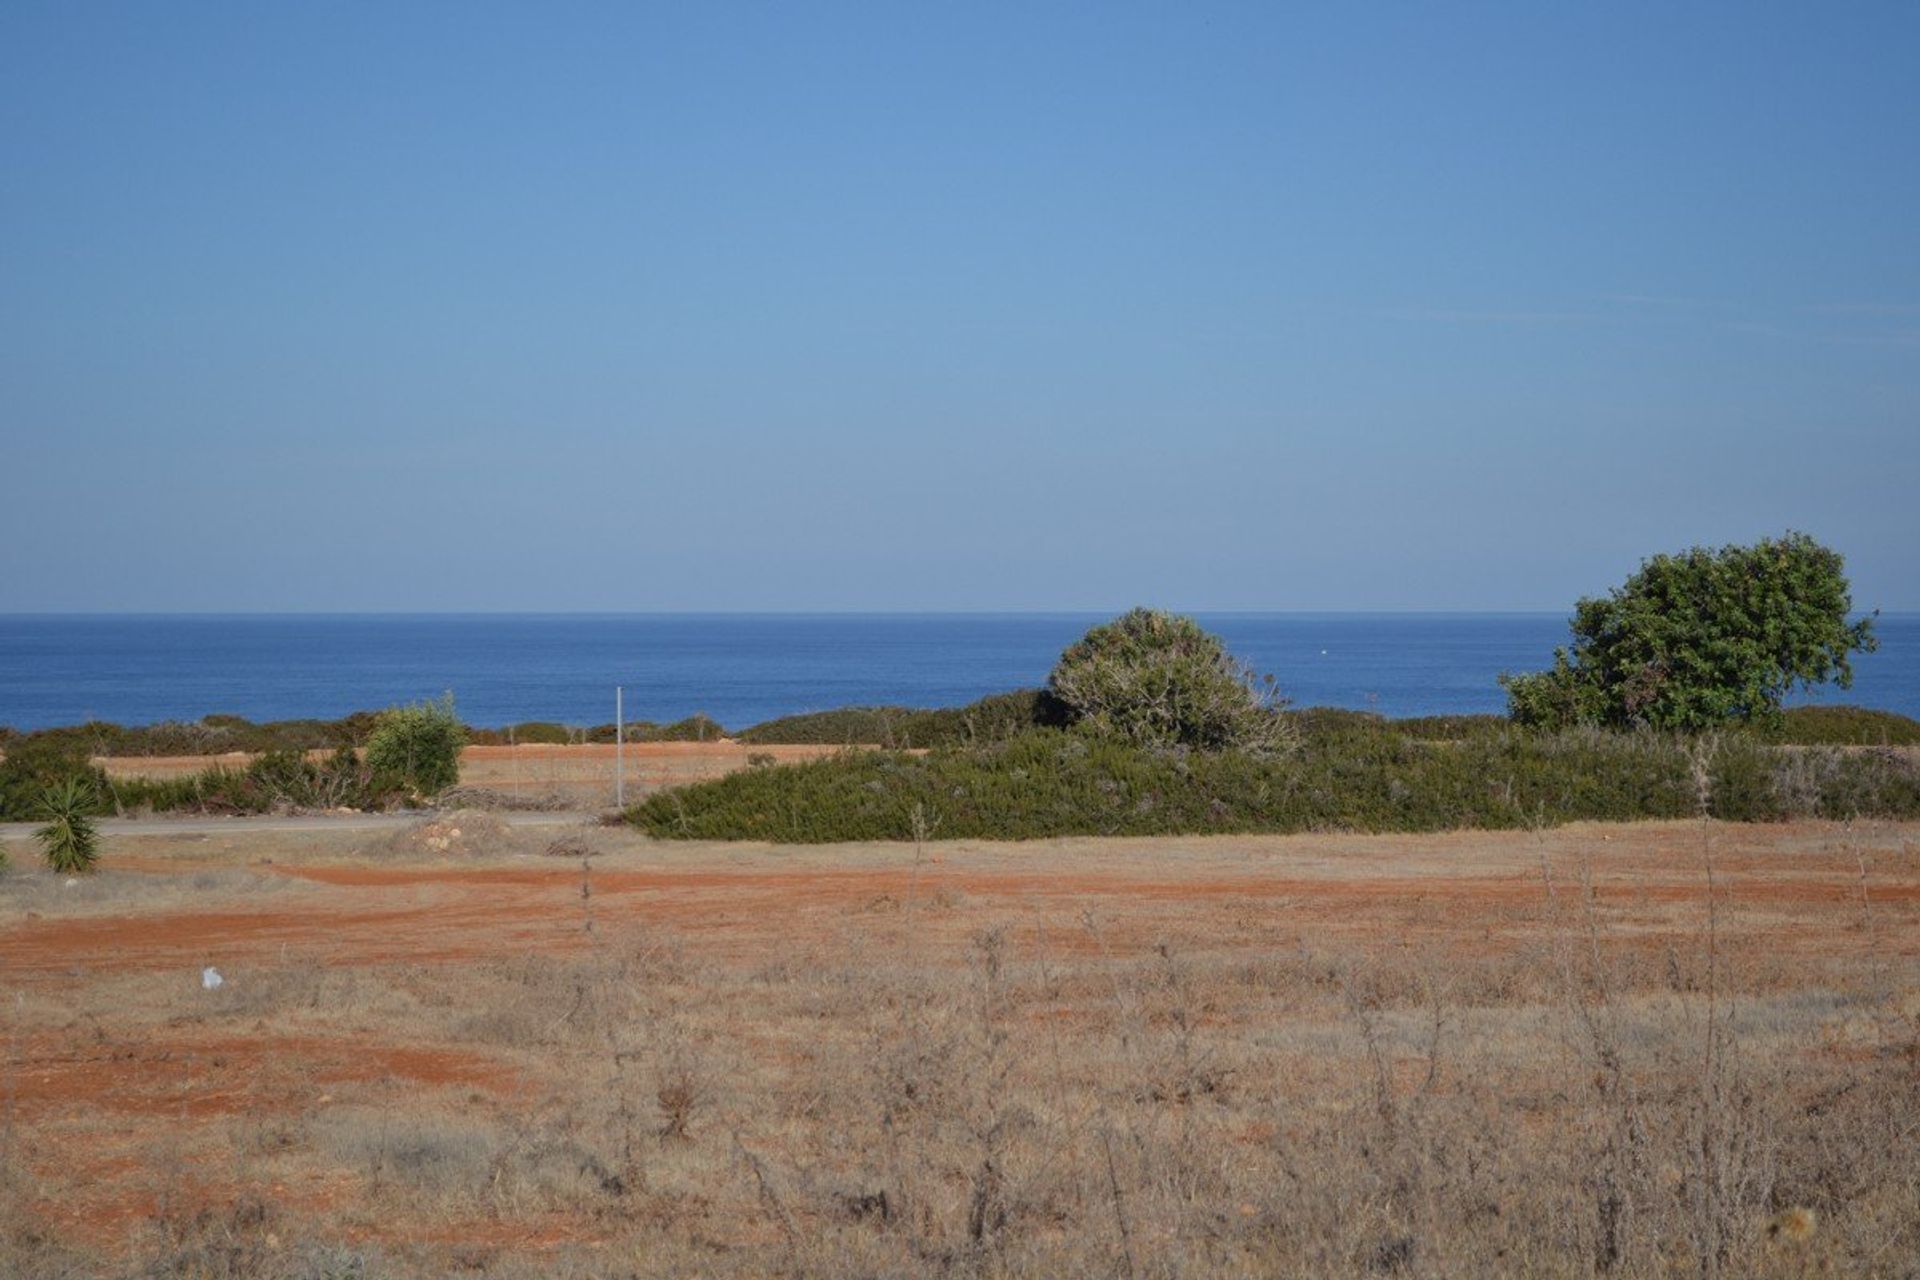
x=742, y=669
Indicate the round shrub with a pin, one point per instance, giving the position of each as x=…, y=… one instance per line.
x=418, y=746
x=1161, y=680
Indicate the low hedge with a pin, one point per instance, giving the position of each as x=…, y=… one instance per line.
x=278, y=780
x=1047, y=783
x=991, y=719
x=1845, y=726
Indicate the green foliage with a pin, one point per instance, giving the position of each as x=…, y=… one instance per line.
x=1451, y=728
x=69, y=839
x=418, y=745
x=1857, y=726
x=211, y=735
x=1158, y=679
x=218, y=790
x=274, y=782
x=1354, y=777
x=843, y=726
x=695, y=728
x=1699, y=639
x=991, y=719
x=35, y=765
x=292, y=779
x=543, y=731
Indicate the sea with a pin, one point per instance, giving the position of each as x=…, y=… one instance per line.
x=742, y=669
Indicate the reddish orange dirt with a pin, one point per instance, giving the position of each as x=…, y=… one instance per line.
x=373, y=914
x=93, y=1042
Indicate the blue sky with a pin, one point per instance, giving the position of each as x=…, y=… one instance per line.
x=616, y=307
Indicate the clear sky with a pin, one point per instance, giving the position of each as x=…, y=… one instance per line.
x=709, y=306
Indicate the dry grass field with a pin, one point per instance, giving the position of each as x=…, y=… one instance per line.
x=574, y=775
x=1673, y=1049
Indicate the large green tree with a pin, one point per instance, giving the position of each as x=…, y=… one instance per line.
x=1702, y=638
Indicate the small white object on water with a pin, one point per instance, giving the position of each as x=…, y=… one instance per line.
x=210, y=978
x=1323, y=653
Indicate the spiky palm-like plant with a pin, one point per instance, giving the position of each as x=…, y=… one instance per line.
x=69, y=838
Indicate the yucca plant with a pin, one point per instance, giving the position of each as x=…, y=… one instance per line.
x=69, y=838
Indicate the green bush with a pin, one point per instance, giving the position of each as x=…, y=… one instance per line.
x=1696, y=640
x=211, y=735
x=540, y=731
x=418, y=746
x=695, y=728
x=69, y=839
x=36, y=764
x=843, y=726
x=275, y=781
x=1834, y=726
x=990, y=719
x=1157, y=679
x=1450, y=728
x=1361, y=777
x=218, y=790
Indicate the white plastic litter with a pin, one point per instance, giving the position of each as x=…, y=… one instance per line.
x=210, y=978
x=70, y=883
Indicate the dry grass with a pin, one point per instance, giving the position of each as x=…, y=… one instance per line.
x=1549, y=1054
x=540, y=775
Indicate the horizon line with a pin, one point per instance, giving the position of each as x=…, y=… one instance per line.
x=210, y=614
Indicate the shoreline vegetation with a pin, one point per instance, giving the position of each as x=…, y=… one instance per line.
x=1009, y=766
x=1669, y=703
x=889, y=727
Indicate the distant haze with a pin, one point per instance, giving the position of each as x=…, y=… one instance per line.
x=709, y=307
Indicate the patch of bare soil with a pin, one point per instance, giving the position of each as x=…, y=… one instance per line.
x=462, y=833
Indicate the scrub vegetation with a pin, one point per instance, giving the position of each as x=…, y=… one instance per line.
x=1153, y=728
x=1148, y=725
x=1348, y=774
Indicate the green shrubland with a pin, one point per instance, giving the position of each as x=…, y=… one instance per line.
x=1358, y=777
x=1149, y=726
x=37, y=764
x=1168, y=734
x=276, y=781
x=211, y=735
x=990, y=719
x=1855, y=726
